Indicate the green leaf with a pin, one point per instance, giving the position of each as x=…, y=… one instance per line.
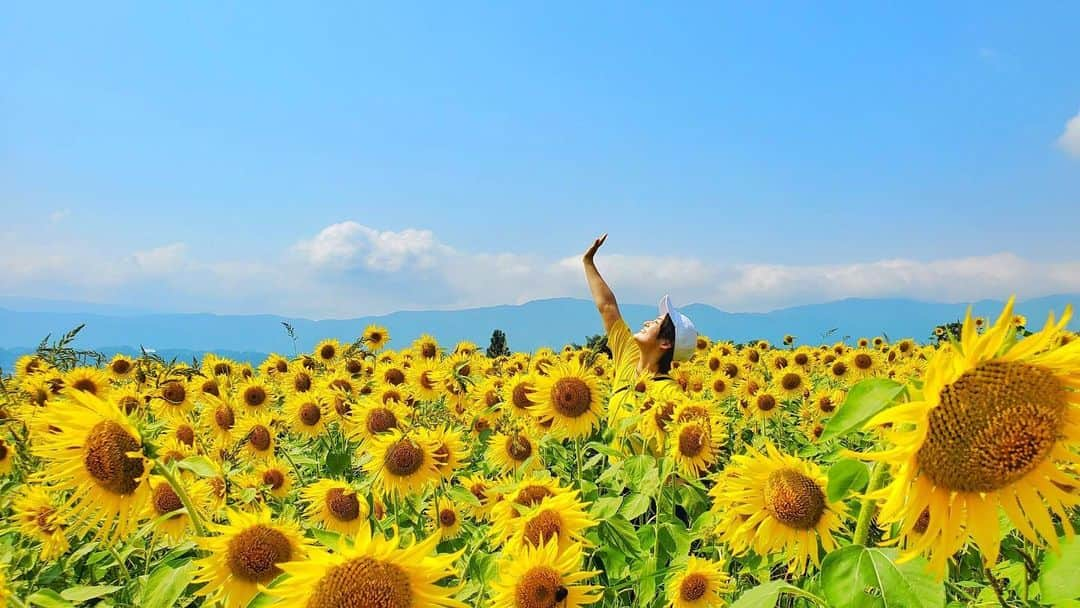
x=767, y=594
x=858, y=577
x=863, y=401
x=847, y=475
x=200, y=465
x=81, y=593
x=336, y=463
x=605, y=507
x=47, y=598
x=1057, y=576
x=621, y=534
x=634, y=506
x=165, y=585
x=462, y=495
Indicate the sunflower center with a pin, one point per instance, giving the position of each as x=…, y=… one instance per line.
x=186, y=434
x=479, y=490
x=173, y=392
x=825, y=404
x=692, y=440
x=344, y=506
x=765, y=402
x=428, y=351
x=166, y=500
x=923, y=522
x=719, y=385
x=224, y=418
x=839, y=368
x=222, y=369
x=802, y=359
x=518, y=447
x=791, y=381
x=538, y=588
x=381, y=420
x=353, y=366
x=281, y=366
x=662, y=414
x=693, y=587
x=571, y=397
x=85, y=385
x=310, y=414
x=210, y=387
x=302, y=382
x=521, y=395
x=447, y=518
x=542, y=528
x=255, y=396
x=260, y=438
x=404, y=458
x=3, y=450
x=363, y=582
x=327, y=351
x=273, y=478
x=532, y=495
x=863, y=361
x=394, y=376
x=128, y=403
x=44, y=520
x=106, y=458
x=794, y=499
x=253, y=554
x=994, y=424
x=121, y=366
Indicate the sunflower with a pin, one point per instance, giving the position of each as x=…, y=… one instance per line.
x=749, y=386
x=306, y=415
x=181, y=429
x=219, y=417
x=173, y=397
x=370, y=570
x=335, y=506
x=128, y=398
x=376, y=337
x=997, y=425
x=273, y=477
x=570, y=397
x=826, y=401
x=865, y=363
x=218, y=367
x=511, y=451
x=483, y=490
x=426, y=347
x=299, y=382
x=445, y=518
x=518, y=395
x=393, y=373
x=7, y=457
x=163, y=506
x=775, y=502
x=93, y=451
x=248, y=552
x=121, y=367
x=36, y=514
x=373, y=418
x=791, y=383
x=327, y=351
x=424, y=378
x=254, y=394
x=720, y=385
x=257, y=435
x=402, y=465
x=692, y=447
x=28, y=365
x=766, y=404
x=700, y=583
x=88, y=380
x=466, y=347
x=563, y=517
x=544, y=577
x=274, y=366
x=450, y=450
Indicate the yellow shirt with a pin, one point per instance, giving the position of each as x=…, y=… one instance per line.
x=625, y=356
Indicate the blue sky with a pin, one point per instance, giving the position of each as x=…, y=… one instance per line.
x=346, y=160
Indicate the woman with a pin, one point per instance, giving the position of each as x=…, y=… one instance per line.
x=669, y=337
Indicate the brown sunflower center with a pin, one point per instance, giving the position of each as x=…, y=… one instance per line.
x=222, y=369
x=542, y=527
x=428, y=351
x=310, y=414
x=344, y=506
x=447, y=518
x=693, y=587
x=731, y=370
x=129, y=403
x=863, y=361
x=327, y=351
x=255, y=396
x=571, y=397
x=3, y=450
x=394, y=376
x=273, y=478
x=121, y=366
x=791, y=381
x=44, y=520
x=802, y=359
x=662, y=414
x=210, y=387
x=994, y=424
x=254, y=553
x=794, y=499
x=765, y=402
x=380, y=420
x=185, y=434
x=692, y=440
x=518, y=447
x=923, y=522
x=165, y=499
x=224, y=418
x=259, y=438
x=532, y=495
x=521, y=395
x=404, y=458
x=538, y=588
x=839, y=369
x=302, y=382
x=173, y=392
x=106, y=458
x=363, y=582
x=281, y=366
x=85, y=385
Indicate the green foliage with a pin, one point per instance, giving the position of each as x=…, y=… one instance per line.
x=497, y=347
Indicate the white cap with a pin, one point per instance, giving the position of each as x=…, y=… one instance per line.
x=685, y=332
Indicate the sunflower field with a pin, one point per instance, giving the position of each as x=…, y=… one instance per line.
x=880, y=473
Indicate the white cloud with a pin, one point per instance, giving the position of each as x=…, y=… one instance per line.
x=59, y=215
x=1069, y=141
x=348, y=269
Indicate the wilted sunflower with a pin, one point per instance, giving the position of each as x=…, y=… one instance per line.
x=402, y=465
x=93, y=451
x=369, y=571
x=247, y=553
x=544, y=577
x=36, y=514
x=775, y=502
x=700, y=583
x=570, y=397
x=997, y=424
x=336, y=506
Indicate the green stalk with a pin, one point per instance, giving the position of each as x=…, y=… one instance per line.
x=177, y=487
x=120, y=562
x=869, y=506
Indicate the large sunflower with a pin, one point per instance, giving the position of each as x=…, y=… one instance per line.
x=544, y=577
x=336, y=506
x=699, y=584
x=248, y=553
x=402, y=464
x=370, y=571
x=563, y=517
x=570, y=397
x=92, y=450
x=997, y=424
x=775, y=502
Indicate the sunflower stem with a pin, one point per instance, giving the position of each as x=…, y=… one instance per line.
x=120, y=562
x=869, y=505
x=177, y=487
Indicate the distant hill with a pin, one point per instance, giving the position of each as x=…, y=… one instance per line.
x=528, y=326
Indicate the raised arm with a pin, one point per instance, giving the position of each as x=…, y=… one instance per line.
x=602, y=294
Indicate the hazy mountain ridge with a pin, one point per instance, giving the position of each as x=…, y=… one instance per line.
x=528, y=326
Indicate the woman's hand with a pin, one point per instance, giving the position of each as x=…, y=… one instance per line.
x=588, y=257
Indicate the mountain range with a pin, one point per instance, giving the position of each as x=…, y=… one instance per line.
x=552, y=322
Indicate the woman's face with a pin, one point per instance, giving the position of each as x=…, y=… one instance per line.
x=650, y=331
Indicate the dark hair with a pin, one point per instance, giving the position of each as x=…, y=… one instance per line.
x=667, y=332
